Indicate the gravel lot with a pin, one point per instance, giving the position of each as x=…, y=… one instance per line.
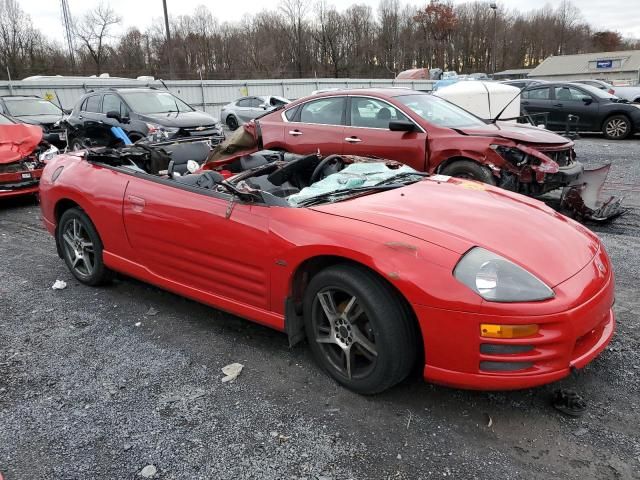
x=99, y=383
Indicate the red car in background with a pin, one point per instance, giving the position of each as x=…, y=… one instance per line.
x=22, y=157
x=426, y=133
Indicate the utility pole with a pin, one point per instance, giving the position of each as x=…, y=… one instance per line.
x=67, y=23
x=494, y=7
x=166, y=26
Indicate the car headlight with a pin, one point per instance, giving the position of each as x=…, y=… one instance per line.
x=511, y=154
x=160, y=131
x=48, y=154
x=496, y=279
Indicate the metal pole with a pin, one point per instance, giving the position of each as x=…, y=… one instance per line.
x=495, y=21
x=166, y=26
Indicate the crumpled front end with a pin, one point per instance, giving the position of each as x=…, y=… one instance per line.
x=583, y=197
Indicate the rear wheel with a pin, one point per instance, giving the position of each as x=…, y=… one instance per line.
x=358, y=329
x=232, y=122
x=470, y=170
x=82, y=247
x=616, y=127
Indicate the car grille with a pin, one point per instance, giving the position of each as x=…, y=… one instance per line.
x=12, y=167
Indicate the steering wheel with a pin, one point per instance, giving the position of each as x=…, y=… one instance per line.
x=329, y=165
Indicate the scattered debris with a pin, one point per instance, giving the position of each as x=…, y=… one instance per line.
x=152, y=312
x=138, y=324
x=409, y=419
x=149, y=471
x=580, y=432
x=489, y=420
x=232, y=371
x=59, y=285
x=569, y=402
x=399, y=457
x=127, y=446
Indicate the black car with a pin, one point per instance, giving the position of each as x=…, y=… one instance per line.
x=36, y=111
x=523, y=82
x=140, y=112
x=595, y=109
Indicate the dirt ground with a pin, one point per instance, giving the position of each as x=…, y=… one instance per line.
x=98, y=383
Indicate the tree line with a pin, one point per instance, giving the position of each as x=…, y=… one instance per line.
x=301, y=39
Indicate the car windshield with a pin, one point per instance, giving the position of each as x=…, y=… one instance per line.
x=31, y=106
x=355, y=179
x=440, y=112
x=155, y=102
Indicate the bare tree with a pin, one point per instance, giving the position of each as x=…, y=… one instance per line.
x=93, y=32
x=294, y=12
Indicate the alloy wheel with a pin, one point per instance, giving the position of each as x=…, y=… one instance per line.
x=616, y=128
x=79, y=248
x=344, y=333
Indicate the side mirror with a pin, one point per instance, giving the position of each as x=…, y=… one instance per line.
x=587, y=100
x=401, y=126
x=114, y=115
x=264, y=106
x=66, y=111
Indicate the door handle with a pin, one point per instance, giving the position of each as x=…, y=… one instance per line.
x=352, y=140
x=558, y=105
x=295, y=133
x=137, y=203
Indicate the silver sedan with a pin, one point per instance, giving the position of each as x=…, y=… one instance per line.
x=244, y=109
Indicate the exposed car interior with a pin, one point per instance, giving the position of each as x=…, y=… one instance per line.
x=279, y=175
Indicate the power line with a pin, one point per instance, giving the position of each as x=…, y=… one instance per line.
x=67, y=23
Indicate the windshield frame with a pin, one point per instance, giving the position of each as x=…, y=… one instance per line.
x=449, y=105
x=9, y=102
x=126, y=96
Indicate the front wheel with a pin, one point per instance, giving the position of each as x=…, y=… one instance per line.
x=358, y=329
x=232, y=122
x=617, y=127
x=82, y=247
x=470, y=170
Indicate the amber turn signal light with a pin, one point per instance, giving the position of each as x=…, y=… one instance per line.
x=491, y=330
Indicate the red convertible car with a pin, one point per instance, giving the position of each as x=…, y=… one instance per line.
x=22, y=158
x=379, y=266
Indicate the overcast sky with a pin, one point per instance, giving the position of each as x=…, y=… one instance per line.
x=622, y=16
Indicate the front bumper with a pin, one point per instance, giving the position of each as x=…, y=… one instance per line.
x=17, y=184
x=568, y=339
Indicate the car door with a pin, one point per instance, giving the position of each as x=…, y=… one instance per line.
x=317, y=125
x=367, y=133
x=92, y=121
x=199, y=239
x=571, y=100
x=536, y=101
x=244, y=109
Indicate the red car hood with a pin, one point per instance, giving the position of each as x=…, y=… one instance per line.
x=459, y=214
x=17, y=141
x=518, y=132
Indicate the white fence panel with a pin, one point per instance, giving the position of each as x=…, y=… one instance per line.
x=207, y=95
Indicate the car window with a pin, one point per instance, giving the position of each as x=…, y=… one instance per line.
x=112, y=103
x=291, y=113
x=440, y=112
x=154, y=102
x=5, y=121
x=276, y=102
x=255, y=102
x=324, y=111
x=569, y=94
x=370, y=113
x=536, y=94
x=245, y=102
x=31, y=106
x=92, y=104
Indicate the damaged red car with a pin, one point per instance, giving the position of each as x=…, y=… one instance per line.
x=23, y=155
x=380, y=267
x=431, y=135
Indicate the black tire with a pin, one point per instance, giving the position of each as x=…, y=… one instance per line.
x=134, y=137
x=617, y=127
x=376, y=321
x=470, y=170
x=85, y=245
x=232, y=122
x=76, y=144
